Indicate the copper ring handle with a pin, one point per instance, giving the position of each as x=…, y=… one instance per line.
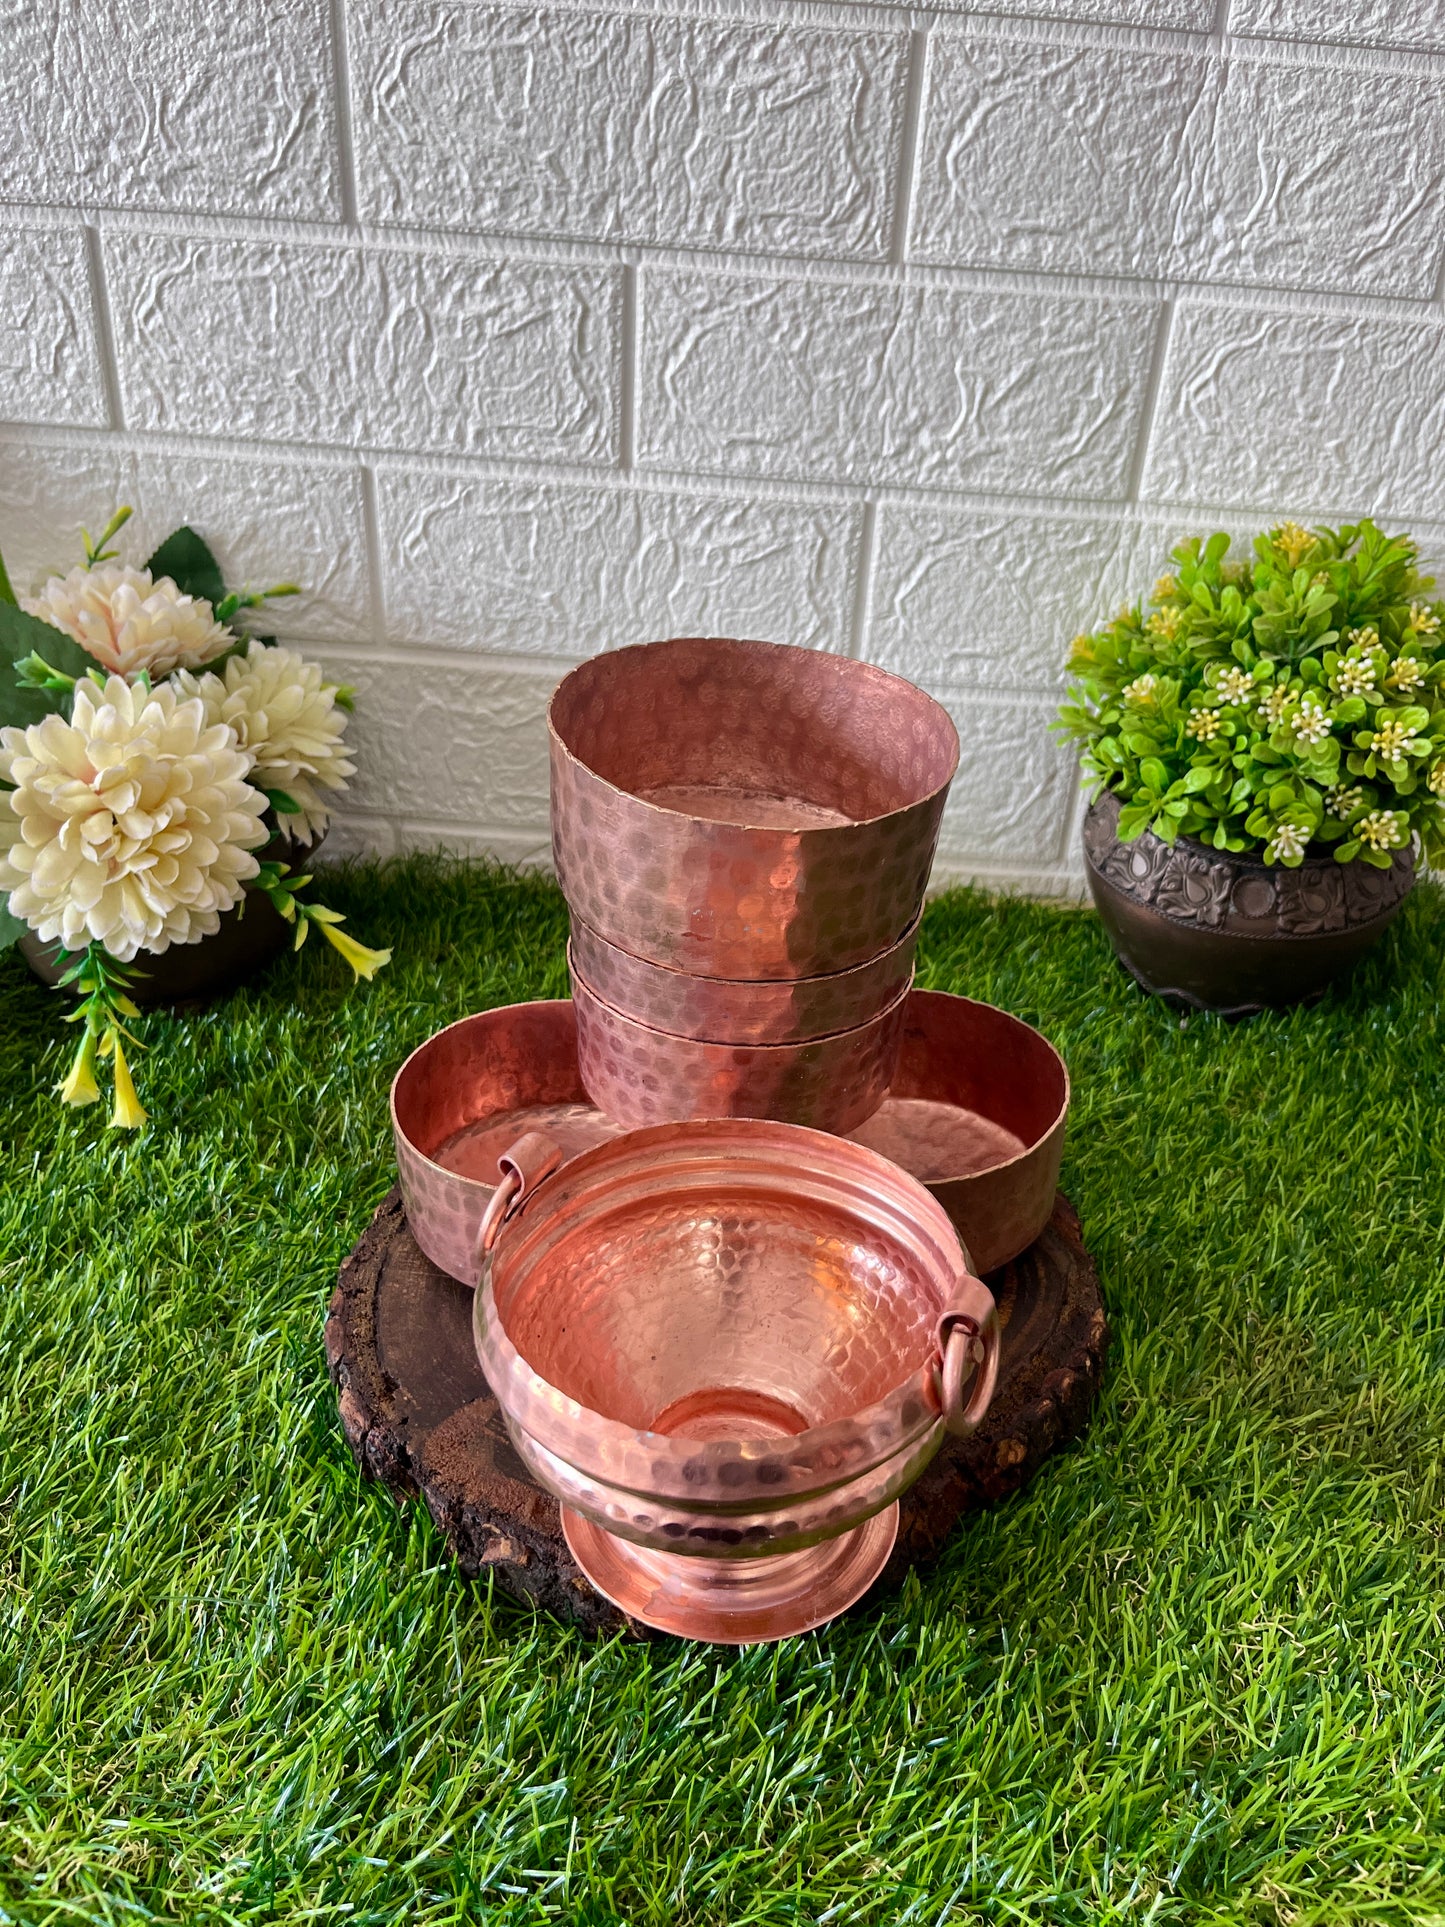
x=499, y=1207
x=967, y=1344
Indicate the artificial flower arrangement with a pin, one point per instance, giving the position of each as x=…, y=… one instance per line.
x=1286, y=704
x=149, y=749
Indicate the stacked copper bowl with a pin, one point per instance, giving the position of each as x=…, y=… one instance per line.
x=744, y=833
x=725, y=1341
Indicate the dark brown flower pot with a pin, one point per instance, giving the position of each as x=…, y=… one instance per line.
x=193, y=972
x=1234, y=934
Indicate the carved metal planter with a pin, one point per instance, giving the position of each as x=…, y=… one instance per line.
x=1230, y=933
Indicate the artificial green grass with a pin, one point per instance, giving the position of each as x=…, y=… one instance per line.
x=1193, y=1673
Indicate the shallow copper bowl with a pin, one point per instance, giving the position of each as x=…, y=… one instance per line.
x=745, y=809
x=723, y=1010
x=727, y=1340
x=462, y=1098
x=976, y=1111
x=640, y=1076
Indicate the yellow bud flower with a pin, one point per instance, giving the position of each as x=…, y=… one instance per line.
x=129, y=1114
x=364, y=962
x=80, y=1086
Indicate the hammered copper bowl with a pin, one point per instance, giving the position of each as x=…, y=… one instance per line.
x=721, y=1010
x=461, y=1099
x=744, y=809
x=976, y=1111
x=728, y=1341
x=640, y=1076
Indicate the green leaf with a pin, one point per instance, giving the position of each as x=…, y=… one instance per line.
x=12, y=929
x=22, y=636
x=185, y=558
x=281, y=801
x=1154, y=774
x=1199, y=778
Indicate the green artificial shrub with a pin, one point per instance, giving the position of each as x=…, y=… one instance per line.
x=1289, y=704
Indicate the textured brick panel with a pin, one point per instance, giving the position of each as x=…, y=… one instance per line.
x=333, y=344
x=568, y=571
x=1322, y=177
x=1197, y=15
x=851, y=383
x=627, y=128
x=1368, y=23
x=1010, y=801
x=161, y=104
x=49, y=370
x=467, y=744
x=1307, y=412
x=1015, y=130
x=990, y=599
x=266, y=521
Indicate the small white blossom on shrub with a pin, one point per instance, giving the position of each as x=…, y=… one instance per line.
x=1391, y=739
x=1384, y=829
x=1406, y=674
x=129, y=623
x=1203, y=725
x=1436, y=779
x=1312, y=724
x=1234, y=686
x=1275, y=704
x=1343, y=798
x=1354, y=676
x=1287, y=844
x=1141, y=690
x=1423, y=619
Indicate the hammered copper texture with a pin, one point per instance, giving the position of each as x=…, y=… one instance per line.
x=808, y=790
x=720, y=1337
x=641, y=1076
x=720, y=1010
x=1228, y=932
x=1008, y=1091
x=521, y=1057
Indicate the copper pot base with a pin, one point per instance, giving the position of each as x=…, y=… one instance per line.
x=734, y=1602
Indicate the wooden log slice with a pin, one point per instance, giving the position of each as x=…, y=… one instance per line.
x=418, y=1415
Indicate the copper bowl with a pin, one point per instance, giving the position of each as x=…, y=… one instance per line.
x=724, y=1010
x=458, y=1102
x=976, y=1111
x=745, y=809
x=726, y=1346
x=642, y=1076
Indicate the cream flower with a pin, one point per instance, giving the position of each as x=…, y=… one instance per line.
x=1354, y=676
x=1406, y=674
x=1276, y=702
x=1423, y=619
x=132, y=824
x=1343, y=798
x=1436, y=780
x=129, y=623
x=289, y=720
x=1391, y=741
x=1234, y=686
x=1166, y=622
x=1141, y=690
x=1203, y=725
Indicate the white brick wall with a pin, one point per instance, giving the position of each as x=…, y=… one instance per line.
x=521, y=332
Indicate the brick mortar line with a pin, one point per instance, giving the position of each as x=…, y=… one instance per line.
x=686, y=484
x=104, y=330
x=518, y=251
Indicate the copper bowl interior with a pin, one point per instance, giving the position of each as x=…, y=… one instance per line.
x=975, y=1090
x=755, y=733
x=727, y=1294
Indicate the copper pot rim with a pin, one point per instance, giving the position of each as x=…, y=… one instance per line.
x=790, y=985
x=794, y=1044
x=658, y=1464
x=886, y=680
x=478, y=1185
x=1060, y=1117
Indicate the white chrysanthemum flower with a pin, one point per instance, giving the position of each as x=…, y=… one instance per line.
x=1384, y=829
x=129, y=623
x=1274, y=705
x=132, y=824
x=1343, y=798
x=1141, y=690
x=1312, y=724
x=1234, y=686
x=291, y=723
x=1288, y=842
x=1203, y=725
